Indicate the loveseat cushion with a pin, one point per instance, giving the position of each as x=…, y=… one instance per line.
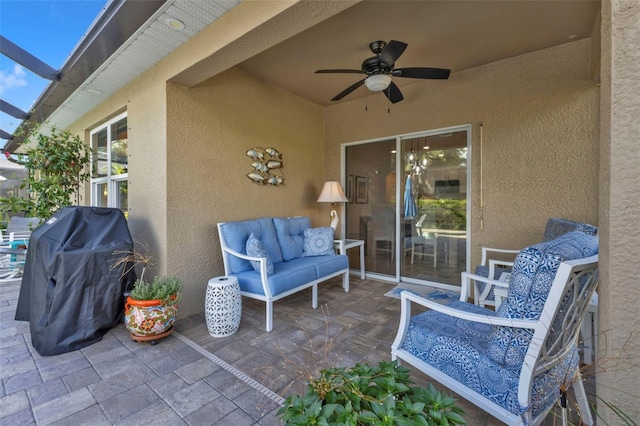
x=290, y=235
x=458, y=348
x=326, y=265
x=255, y=248
x=236, y=234
x=286, y=276
x=533, y=273
x=318, y=241
x=292, y=274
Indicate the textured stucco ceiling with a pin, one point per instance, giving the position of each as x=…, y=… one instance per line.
x=457, y=35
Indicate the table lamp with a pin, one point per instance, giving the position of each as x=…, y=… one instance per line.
x=332, y=193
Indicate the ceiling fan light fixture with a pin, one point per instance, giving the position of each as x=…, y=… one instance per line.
x=378, y=82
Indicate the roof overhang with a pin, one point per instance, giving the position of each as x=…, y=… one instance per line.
x=119, y=20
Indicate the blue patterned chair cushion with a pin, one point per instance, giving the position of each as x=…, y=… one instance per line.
x=256, y=249
x=458, y=348
x=557, y=227
x=318, y=242
x=533, y=273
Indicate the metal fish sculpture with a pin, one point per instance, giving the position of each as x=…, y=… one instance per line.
x=275, y=180
x=260, y=166
x=273, y=152
x=255, y=153
x=274, y=164
x=257, y=177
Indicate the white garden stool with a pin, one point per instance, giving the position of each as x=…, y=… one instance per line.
x=223, y=306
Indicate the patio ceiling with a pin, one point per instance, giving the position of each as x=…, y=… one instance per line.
x=457, y=35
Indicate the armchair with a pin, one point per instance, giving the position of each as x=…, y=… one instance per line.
x=515, y=362
x=495, y=261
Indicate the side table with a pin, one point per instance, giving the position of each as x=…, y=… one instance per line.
x=223, y=306
x=344, y=245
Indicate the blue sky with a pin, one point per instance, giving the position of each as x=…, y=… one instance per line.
x=49, y=30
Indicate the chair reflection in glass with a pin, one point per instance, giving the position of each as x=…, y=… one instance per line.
x=423, y=244
x=384, y=234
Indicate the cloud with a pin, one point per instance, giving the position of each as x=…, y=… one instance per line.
x=11, y=80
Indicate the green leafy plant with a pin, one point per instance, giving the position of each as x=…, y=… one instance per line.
x=57, y=163
x=365, y=395
x=163, y=288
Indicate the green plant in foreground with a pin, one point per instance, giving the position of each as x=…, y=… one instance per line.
x=166, y=289
x=365, y=395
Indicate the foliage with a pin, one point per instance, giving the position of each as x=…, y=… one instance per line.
x=365, y=395
x=444, y=213
x=166, y=289
x=162, y=288
x=56, y=164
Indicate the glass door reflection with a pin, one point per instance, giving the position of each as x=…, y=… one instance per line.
x=434, y=213
x=370, y=212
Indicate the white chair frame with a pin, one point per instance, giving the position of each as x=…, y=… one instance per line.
x=537, y=360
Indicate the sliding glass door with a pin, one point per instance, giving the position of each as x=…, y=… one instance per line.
x=434, y=207
x=408, y=202
x=371, y=210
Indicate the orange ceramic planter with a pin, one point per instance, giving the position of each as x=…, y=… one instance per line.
x=149, y=317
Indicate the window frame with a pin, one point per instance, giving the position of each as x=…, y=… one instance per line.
x=111, y=181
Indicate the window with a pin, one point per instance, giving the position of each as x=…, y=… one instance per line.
x=110, y=164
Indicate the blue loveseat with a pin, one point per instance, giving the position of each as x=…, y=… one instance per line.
x=286, y=255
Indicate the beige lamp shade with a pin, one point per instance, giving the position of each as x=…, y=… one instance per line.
x=332, y=193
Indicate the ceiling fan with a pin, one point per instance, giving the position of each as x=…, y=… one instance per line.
x=380, y=68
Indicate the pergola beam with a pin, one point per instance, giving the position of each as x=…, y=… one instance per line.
x=13, y=110
x=27, y=60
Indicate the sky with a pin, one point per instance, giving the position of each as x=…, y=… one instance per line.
x=49, y=30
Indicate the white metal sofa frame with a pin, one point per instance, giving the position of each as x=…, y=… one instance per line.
x=542, y=354
x=268, y=296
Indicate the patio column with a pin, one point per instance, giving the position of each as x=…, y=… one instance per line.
x=619, y=342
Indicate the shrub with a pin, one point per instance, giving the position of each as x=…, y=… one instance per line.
x=365, y=395
x=166, y=289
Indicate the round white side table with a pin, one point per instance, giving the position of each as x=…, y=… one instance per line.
x=223, y=306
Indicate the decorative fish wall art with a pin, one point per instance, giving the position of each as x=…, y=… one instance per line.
x=267, y=166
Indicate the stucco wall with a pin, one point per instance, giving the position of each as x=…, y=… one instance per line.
x=209, y=130
x=145, y=102
x=619, y=289
x=540, y=146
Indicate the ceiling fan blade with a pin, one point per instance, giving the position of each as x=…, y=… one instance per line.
x=426, y=73
x=393, y=93
x=348, y=90
x=392, y=51
x=339, y=71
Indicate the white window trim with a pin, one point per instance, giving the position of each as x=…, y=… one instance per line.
x=110, y=180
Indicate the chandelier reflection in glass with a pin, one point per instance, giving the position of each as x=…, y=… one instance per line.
x=417, y=162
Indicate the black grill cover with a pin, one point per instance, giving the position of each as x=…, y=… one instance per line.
x=70, y=293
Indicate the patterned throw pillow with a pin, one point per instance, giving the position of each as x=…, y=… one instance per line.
x=256, y=249
x=318, y=242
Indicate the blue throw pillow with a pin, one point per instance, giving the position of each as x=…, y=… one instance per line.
x=318, y=242
x=256, y=249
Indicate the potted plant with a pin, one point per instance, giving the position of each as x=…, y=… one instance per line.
x=365, y=395
x=151, y=307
